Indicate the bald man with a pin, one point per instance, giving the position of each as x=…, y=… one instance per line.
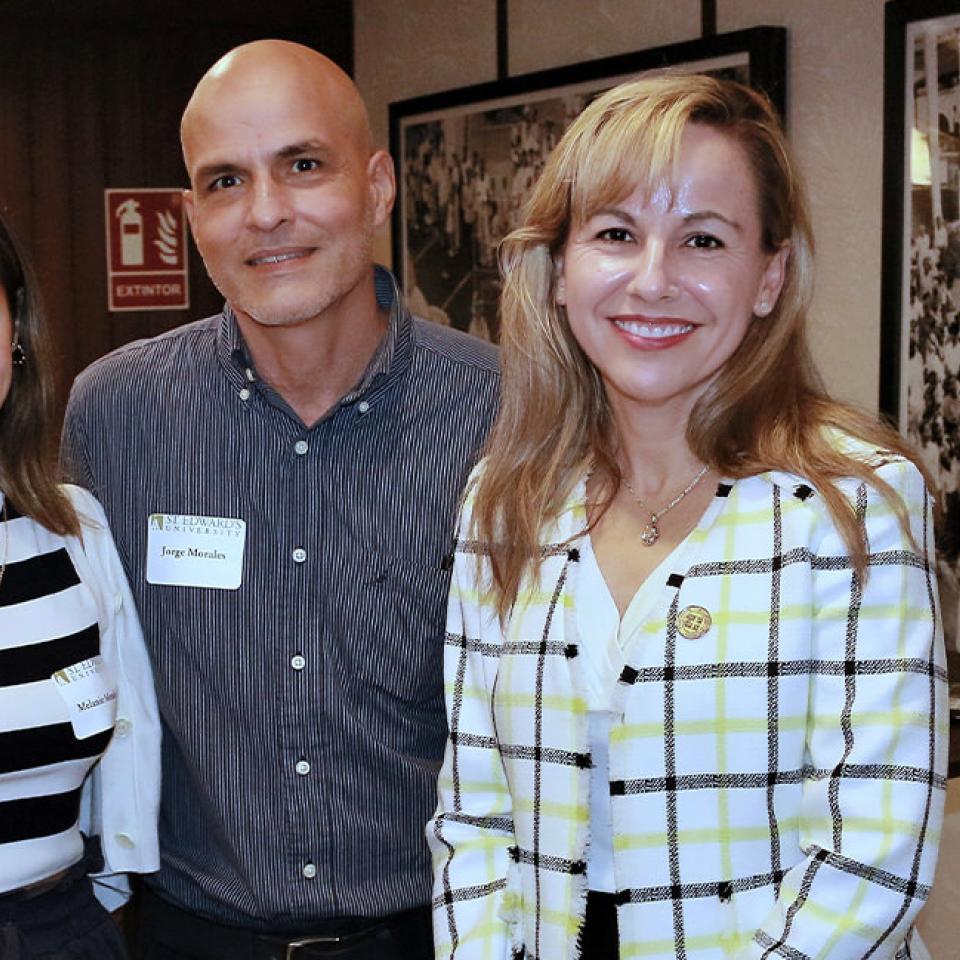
x=282, y=481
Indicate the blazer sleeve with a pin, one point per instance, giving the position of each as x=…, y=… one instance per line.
x=471, y=833
x=876, y=739
x=121, y=796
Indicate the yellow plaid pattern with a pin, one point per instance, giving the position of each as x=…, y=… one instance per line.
x=776, y=784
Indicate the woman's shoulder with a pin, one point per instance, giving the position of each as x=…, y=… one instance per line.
x=892, y=469
x=864, y=451
x=88, y=507
x=88, y=510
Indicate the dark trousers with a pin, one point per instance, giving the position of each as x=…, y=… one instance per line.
x=168, y=933
x=600, y=939
x=61, y=922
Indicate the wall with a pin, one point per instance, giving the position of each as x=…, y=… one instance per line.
x=938, y=922
x=834, y=86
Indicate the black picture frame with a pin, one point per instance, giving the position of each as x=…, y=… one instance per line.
x=920, y=287
x=459, y=286
x=900, y=16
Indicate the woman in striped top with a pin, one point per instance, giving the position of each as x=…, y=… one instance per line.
x=79, y=732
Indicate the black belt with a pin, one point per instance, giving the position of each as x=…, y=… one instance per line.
x=184, y=930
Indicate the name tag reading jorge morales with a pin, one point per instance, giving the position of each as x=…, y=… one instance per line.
x=189, y=551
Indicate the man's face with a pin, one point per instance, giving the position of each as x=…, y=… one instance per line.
x=284, y=197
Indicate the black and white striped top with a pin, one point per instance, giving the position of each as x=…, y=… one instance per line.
x=304, y=716
x=48, y=623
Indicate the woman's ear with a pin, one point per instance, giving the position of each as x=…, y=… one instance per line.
x=772, y=282
x=560, y=295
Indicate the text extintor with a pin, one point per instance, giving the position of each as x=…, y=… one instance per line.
x=146, y=249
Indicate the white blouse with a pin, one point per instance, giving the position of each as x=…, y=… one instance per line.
x=603, y=640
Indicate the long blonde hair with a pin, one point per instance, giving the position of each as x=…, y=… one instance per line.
x=767, y=408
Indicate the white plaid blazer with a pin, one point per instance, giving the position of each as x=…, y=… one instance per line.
x=776, y=785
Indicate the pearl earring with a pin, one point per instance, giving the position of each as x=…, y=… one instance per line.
x=18, y=354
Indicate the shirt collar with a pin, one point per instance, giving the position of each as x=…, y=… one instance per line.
x=389, y=360
x=392, y=355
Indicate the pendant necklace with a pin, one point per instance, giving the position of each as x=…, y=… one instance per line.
x=6, y=538
x=651, y=532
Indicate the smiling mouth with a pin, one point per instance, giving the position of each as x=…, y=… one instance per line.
x=653, y=331
x=268, y=259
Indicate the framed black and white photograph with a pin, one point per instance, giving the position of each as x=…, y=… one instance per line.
x=920, y=343
x=467, y=159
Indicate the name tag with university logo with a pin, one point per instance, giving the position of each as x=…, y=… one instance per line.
x=90, y=693
x=189, y=551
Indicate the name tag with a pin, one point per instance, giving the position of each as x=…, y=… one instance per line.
x=90, y=693
x=188, y=551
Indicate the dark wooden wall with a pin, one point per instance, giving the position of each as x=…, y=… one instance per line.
x=91, y=93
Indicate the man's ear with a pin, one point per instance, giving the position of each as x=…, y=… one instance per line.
x=189, y=208
x=383, y=185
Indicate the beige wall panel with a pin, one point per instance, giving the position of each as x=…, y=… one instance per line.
x=405, y=50
x=938, y=920
x=550, y=34
x=835, y=94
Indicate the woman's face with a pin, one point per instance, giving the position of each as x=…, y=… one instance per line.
x=6, y=346
x=660, y=290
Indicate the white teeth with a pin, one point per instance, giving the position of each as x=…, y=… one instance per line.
x=275, y=258
x=654, y=331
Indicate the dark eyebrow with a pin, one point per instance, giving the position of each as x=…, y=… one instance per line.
x=712, y=215
x=299, y=149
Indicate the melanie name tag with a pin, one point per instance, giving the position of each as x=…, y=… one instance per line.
x=90, y=693
x=189, y=551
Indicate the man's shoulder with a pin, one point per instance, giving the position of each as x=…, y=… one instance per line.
x=152, y=356
x=455, y=347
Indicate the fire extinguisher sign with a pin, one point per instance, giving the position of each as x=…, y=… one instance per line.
x=146, y=249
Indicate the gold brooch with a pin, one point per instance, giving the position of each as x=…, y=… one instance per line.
x=693, y=622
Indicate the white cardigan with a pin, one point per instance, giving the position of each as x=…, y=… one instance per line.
x=121, y=796
x=777, y=778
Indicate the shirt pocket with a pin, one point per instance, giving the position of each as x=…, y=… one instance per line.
x=393, y=625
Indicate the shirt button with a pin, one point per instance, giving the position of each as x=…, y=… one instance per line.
x=122, y=727
x=117, y=601
x=297, y=662
x=302, y=767
x=125, y=840
x=249, y=374
x=299, y=555
x=363, y=406
x=309, y=870
x=244, y=394
x=301, y=447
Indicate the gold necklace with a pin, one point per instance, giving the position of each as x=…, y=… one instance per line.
x=6, y=538
x=651, y=532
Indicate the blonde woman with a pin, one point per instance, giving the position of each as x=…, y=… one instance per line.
x=694, y=667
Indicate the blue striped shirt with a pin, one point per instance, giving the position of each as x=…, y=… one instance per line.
x=304, y=716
